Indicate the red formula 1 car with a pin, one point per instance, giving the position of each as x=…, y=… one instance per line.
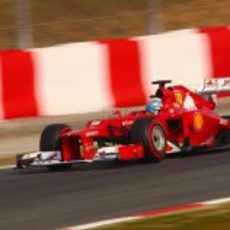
x=176, y=119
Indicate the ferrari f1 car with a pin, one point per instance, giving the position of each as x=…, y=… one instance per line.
x=175, y=120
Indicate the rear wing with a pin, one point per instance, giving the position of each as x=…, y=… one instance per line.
x=214, y=86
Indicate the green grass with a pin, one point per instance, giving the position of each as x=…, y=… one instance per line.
x=213, y=218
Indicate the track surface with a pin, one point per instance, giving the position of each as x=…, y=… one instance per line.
x=50, y=200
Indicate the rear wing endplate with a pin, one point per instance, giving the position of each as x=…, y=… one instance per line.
x=214, y=86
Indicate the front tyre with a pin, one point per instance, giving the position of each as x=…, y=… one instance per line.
x=150, y=133
x=50, y=141
x=50, y=138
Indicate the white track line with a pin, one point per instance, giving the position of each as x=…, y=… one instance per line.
x=217, y=201
x=102, y=223
x=142, y=216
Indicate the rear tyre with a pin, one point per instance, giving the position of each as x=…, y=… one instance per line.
x=226, y=117
x=224, y=138
x=50, y=141
x=150, y=133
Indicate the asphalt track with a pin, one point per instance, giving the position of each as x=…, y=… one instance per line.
x=40, y=199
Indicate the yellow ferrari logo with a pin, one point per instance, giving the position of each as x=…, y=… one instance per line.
x=198, y=121
x=179, y=98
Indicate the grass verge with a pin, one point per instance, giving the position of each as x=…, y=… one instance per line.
x=210, y=218
x=8, y=160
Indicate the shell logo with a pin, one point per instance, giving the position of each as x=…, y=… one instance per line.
x=179, y=98
x=198, y=122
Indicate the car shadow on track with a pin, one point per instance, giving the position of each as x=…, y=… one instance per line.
x=197, y=152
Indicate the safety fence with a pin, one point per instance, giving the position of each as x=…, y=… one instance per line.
x=91, y=76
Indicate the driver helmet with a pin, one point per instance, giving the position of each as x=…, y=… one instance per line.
x=154, y=106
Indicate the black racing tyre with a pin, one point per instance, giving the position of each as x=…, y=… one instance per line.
x=224, y=137
x=226, y=117
x=50, y=137
x=50, y=141
x=150, y=133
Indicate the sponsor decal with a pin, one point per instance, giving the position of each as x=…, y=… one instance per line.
x=92, y=133
x=198, y=121
x=95, y=123
x=50, y=155
x=224, y=84
x=179, y=98
x=107, y=153
x=226, y=81
x=210, y=82
x=126, y=123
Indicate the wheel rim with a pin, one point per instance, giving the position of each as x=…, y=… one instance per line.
x=158, y=138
